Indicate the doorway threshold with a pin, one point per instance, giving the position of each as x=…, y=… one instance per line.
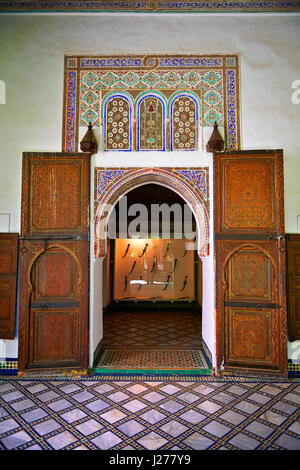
x=152, y=361
x=177, y=372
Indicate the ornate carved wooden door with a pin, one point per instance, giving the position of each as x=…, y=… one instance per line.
x=53, y=314
x=293, y=267
x=250, y=261
x=8, y=284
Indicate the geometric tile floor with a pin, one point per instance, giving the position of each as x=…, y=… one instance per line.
x=152, y=329
x=148, y=413
x=152, y=358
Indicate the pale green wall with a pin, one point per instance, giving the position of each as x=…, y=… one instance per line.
x=32, y=48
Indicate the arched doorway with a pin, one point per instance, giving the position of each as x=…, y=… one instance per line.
x=127, y=297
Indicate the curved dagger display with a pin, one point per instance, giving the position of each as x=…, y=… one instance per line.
x=126, y=251
x=184, y=283
x=154, y=264
x=167, y=283
x=167, y=250
x=133, y=266
x=174, y=266
x=144, y=250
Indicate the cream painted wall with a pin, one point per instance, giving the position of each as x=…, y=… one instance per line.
x=32, y=48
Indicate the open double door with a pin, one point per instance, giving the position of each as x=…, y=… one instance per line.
x=250, y=261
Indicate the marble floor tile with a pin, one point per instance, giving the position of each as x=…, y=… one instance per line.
x=131, y=428
x=36, y=388
x=46, y=427
x=61, y=440
x=259, y=398
x=117, y=397
x=224, y=397
x=217, y=429
x=22, y=405
x=83, y=396
x=203, y=389
x=73, y=415
x=152, y=416
x=89, y=427
x=232, y=417
x=152, y=441
x=59, y=405
x=284, y=407
x=69, y=388
x=246, y=407
x=8, y=397
x=169, y=389
x=174, y=428
x=113, y=416
x=97, y=405
x=288, y=442
x=47, y=396
x=13, y=441
x=293, y=398
x=33, y=415
x=188, y=397
x=136, y=389
x=8, y=425
x=192, y=417
x=171, y=406
x=273, y=417
x=295, y=427
x=153, y=397
x=209, y=406
x=106, y=441
x=243, y=442
x=259, y=429
x=134, y=406
x=198, y=442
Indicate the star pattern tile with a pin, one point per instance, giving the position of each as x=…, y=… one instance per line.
x=148, y=413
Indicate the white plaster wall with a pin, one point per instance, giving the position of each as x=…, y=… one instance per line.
x=32, y=48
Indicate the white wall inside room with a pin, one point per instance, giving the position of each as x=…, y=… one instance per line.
x=31, y=66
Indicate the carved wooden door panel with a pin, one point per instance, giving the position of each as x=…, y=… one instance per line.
x=55, y=195
x=8, y=284
x=293, y=278
x=54, y=304
x=250, y=261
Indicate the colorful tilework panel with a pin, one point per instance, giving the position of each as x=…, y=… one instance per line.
x=216, y=77
x=119, y=413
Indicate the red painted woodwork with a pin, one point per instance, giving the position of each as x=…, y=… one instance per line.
x=250, y=261
x=8, y=284
x=55, y=194
x=293, y=285
x=53, y=330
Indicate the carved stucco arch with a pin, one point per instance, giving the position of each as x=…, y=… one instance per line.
x=131, y=178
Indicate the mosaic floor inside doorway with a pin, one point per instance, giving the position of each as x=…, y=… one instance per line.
x=138, y=413
x=152, y=340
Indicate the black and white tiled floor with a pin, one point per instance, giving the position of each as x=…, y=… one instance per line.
x=141, y=413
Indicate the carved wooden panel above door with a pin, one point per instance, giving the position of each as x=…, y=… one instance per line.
x=8, y=284
x=55, y=194
x=250, y=261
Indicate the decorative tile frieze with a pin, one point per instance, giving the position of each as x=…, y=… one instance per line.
x=213, y=78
